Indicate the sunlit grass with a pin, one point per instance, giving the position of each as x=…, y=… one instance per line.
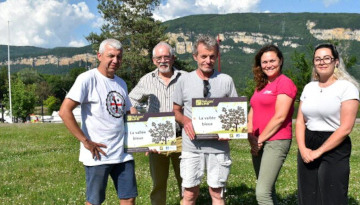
x=39, y=165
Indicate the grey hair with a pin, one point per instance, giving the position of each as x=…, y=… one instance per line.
x=208, y=41
x=111, y=42
x=340, y=72
x=162, y=43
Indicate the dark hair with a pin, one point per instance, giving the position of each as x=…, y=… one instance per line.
x=330, y=46
x=340, y=72
x=259, y=76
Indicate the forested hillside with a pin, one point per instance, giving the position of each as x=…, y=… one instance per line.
x=241, y=35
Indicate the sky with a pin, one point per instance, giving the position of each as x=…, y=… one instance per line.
x=65, y=23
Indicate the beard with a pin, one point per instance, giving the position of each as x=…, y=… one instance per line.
x=167, y=69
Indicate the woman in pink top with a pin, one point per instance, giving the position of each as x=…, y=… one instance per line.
x=270, y=120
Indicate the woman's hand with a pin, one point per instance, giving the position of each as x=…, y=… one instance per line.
x=309, y=155
x=255, y=146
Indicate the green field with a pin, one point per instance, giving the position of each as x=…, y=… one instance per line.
x=39, y=165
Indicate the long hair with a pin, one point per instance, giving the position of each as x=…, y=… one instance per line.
x=260, y=78
x=340, y=72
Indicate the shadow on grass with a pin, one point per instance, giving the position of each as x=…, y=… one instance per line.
x=234, y=196
x=353, y=201
x=243, y=195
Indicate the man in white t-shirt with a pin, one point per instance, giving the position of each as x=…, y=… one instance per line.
x=104, y=101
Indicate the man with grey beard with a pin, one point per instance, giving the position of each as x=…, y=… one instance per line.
x=157, y=88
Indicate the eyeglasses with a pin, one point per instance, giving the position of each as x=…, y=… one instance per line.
x=326, y=59
x=158, y=58
x=206, y=88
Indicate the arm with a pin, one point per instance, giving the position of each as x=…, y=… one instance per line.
x=253, y=140
x=183, y=120
x=250, y=120
x=282, y=107
x=138, y=94
x=69, y=120
x=300, y=135
x=348, y=112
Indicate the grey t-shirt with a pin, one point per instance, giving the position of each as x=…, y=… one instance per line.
x=191, y=86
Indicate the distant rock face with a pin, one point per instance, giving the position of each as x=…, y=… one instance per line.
x=331, y=34
x=242, y=40
x=89, y=59
x=184, y=45
x=182, y=42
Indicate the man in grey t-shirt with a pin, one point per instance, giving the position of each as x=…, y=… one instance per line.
x=196, y=154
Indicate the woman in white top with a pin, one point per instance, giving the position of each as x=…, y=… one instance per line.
x=326, y=116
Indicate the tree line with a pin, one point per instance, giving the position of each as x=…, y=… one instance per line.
x=131, y=22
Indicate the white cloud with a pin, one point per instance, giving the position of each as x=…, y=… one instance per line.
x=79, y=43
x=327, y=3
x=44, y=23
x=98, y=22
x=179, y=8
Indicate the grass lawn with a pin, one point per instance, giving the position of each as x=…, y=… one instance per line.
x=39, y=165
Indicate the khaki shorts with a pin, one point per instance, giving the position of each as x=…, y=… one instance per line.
x=192, y=167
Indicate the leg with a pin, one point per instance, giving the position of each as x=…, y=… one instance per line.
x=190, y=195
x=218, y=170
x=273, y=157
x=130, y=201
x=256, y=160
x=159, y=170
x=334, y=173
x=175, y=160
x=96, y=182
x=123, y=175
x=217, y=196
x=308, y=184
x=192, y=171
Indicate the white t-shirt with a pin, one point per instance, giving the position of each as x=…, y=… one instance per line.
x=321, y=106
x=104, y=102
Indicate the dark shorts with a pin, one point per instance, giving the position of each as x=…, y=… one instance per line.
x=123, y=175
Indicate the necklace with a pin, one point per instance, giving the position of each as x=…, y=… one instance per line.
x=325, y=85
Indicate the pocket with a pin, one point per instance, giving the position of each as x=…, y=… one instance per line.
x=224, y=162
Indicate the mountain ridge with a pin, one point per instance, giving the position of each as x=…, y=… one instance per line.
x=241, y=35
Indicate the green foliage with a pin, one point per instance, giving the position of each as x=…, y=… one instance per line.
x=42, y=90
x=23, y=99
x=136, y=29
x=40, y=166
x=3, y=82
x=59, y=85
x=184, y=65
x=52, y=103
x=29, y=76
x=131, y=22
x=249, y=89
x=300, y=71
x=75, y=72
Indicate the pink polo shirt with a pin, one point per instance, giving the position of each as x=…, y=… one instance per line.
x=263, y=105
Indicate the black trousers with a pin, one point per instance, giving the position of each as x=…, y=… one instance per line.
x=324, y=181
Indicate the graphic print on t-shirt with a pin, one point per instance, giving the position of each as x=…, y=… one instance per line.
x=267, y=92
x=115, y=104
